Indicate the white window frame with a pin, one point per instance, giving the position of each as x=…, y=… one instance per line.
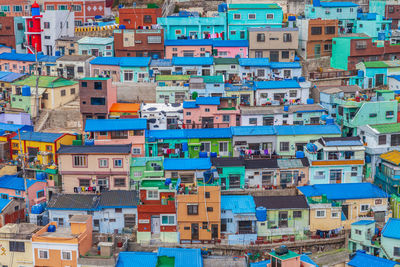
x=209, y=144
x=368, y=207
x=248, y=16
x=129, y=72
x=66, y=251
x=103, y=161
x=136, y=151
x=169, y=215
x=316, y=214
x=46, y=250
x=240, y=16
x=152, y=197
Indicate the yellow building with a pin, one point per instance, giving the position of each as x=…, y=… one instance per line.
x=243, y=93
x=16, y=244
x=39, y=148
x=337, y=206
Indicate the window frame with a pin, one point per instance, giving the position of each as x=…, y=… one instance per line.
x=44, y=250
x=68, y=252
x=316, y=213
x=167, y=215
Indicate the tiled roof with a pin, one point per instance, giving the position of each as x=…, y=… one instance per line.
x=100, y=125
x=344, y=191
x=187, y=164
x=118, y=199
x=38, y=136
x=386, y=128
x=238, y=204
x=45, y=82
x=95, y=149
x=361, y=259
x=281, y=202
x=73, y=201
x=392, y=157
x=192, y=61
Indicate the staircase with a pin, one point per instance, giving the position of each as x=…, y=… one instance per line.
x=41, y=122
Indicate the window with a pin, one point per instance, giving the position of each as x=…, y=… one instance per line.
x=396, y=251
x=373, y=115
x=297, y=214
x=192, y=209
x=136, y=151
x=358, y=232
x=207, y=194
x=389, y=114
x=5, y=8
x=395, y=139
x=210, y=209
x=97, y=101
x=147, y=19
x=43, y=254
x=339, y=10
x=76, y=8
x=177, y=32
x=62, y=7
x=66, y=255
x=242, y=34
x=354, y=171
x=320, y=214
x=118, y=210
x=40, y=194
x=72, y=91
x=152, y=195
x=287, y=37
x=47, y=25
x=117, y=163
x=226, y=118
x=17, y=246
x=316, y=30
x=119, y=182
x=361, y=44
x=233, y=32
x=267, y=178
x=98, y=85
x=84, y=182
x=17, y=8
x=335, y=214
x=364, y=207
x=128, y=75
x=103, y=163
x=205, y=225
x=252, y=16
x=270, y=16
x=154, y=39
x=314, y=120
x=236, y=16
x=284, y=146
x=63, y=92
x=253, y=121
x=330, y=30
x=84, y=84
x=378, y=201
x=260, y=37
x=258, y=54
x=285, y=54
x=328, y=47
x=80, y=161
x=168, y=219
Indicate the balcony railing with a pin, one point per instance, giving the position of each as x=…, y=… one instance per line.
x=331, y=74
x=206, y=125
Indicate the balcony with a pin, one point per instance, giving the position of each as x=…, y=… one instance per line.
x=147, y=174
x=331, y=74
x=209, y=125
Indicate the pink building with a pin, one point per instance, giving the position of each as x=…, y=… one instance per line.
x=13, y=187
x=109, y=70
x=283, y=257
x=231, y=48
x=188, y=48
x=24, y=63
x=118, y=132
x=92, y=169
x=211, y=112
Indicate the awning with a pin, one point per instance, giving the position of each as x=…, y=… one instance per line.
x=246, y=217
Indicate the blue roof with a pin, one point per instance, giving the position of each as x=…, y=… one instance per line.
x=209, y=100
x=183, y=256
x=4, y=203
x=253, y=130
x=167, y=134
x=136, y=259
x=344, y=191
x=38, y=136
x=344, y=143
x=134, y=62
x=307, y=259
x=396, y=77
x=260, y=263
x=192, y=61
x=15, y=127
x=28, y=57
x=392, y=228
x=361, y=259
x=190, y=133
x=238, y=204
x=111, y=61
x=254, y=62
x=307, y=129
x=230, y=43
x=286, y=65
x=276, y=84
x=338, y=4
x=190, y=104
x=187, y=164
x=363, y=222
x=100, y=125
x=366, y=16
x=188, y=42
x=161, y=62
x=8, y=77
x=14, y=182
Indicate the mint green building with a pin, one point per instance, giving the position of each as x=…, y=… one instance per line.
x=341, y=51
x=390, y=240
x=371, y=24
x=361, y=237
x=146, y=167
x=231, y=172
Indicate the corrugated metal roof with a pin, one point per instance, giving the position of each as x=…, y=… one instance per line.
x=190, y=133
x=10, y=77
x=125, y=107
x=230, y=43
x=286, y=65
x=16, y=183
x=4, y=203
x=344, y=191
x=253, y=130
x=392, y=228
x=45, y=82
x=95, y=149
x=136, y=259
x=226, y=61
x=38, y=136
x=187, y=164
x=111, y=61
x=363, y=222
x=98, y=125
x=307, y=259
x=15, y=127
x=209, y=100
x=135, y=61
x=28, y=57
x=276, y=84
x=184, y=257
x=392, y=157
x=260, y=263
x=188, y=42
x=254, y=62
x=73, y=201
x=192, y=61
x=290, y=163
x=396, y=77
x=190, y=104
x=307, y=129
x=118, y=199
x=361, y=259
x=337, y=4
x=95, y=40
x=238, y=204
x=386, y=128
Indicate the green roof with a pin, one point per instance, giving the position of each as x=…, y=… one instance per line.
x=165, y=261
x=254, y=6
x=375, y=64
x=286, y=256
x=95, y=78
x=160, y=184
x=45, y=82
x=225, y=61
x=211, y=79
x=172, y=77
x=387, y=128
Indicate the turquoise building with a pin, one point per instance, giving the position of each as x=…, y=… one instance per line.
x=373, y=25
x=362, y=233
x=231, y=172
x=242, y=16
x=390, y=240
x=345, y=12
x=96, y=46
x=374, y=73
x=193, y=26
x=341, y=50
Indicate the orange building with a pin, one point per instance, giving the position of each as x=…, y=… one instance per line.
x=124, y=111
x=199, y=213
x=62, y=246
x=136, y=18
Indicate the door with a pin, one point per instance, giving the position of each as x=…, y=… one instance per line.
x=317, y=50
x=335, y=176
x=214, y=231
x=223, y=183
x=345, y=211
x=283, y=219
x=155, y=224
x=223, y=149
x=378, y=79
x=274, y=56
x=207, y=122
x=95, y=52
x=70, y=72
x=195, y=231
x=206, y=72
x=103, y=184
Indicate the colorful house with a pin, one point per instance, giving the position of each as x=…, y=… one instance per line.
x=244, y=92
x=188, y=48
x=231, y=172
x=114, y=132
x=387, y=172
x=373, y=25
x=96, y=46
x=285, y=91
x=361, y=259
x=336, y=160
x=187, y=170
x=91, y=169
x=201, y=66
x=41, y=148
x=375, y=73
x=173, y=89
x=157, y=212
x=206, y=86
x=337, y=206
x=124, y=111
x=6, y=79
x=287, y=218
x=199, y=212
x=238, y=219
x=25, y=63
x=242, y=16
x=12, y=186
x=230, y=48
x=261, y=173
x=286, y=258
x=210, y=112
x=146, y=168
x=162, y=116
x=390, y=240
x=63, y=245
x=253, y=140
x=363, y=237
x=228, y=67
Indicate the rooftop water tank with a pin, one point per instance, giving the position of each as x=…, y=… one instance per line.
x=26, y=90
x=310, y=101
x=299, y=154
x=302, y=79
x=261, y=214
x=286, y=108
x=51, y=228
x=311, y=147
x=37, y=209
x=208, y=177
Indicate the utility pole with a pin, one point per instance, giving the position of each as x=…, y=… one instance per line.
x=24, y=173
x=37, y=84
